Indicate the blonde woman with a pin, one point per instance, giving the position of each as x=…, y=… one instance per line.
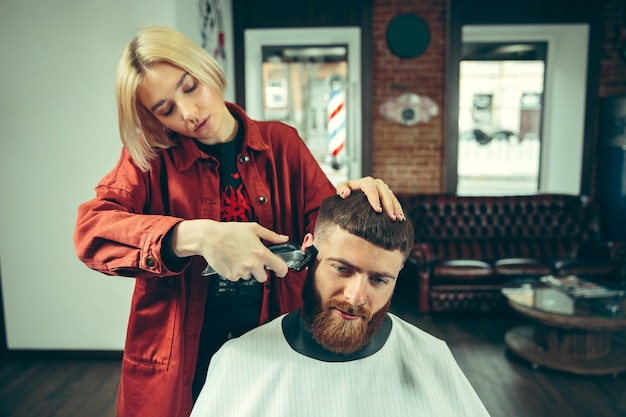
x=197, y=182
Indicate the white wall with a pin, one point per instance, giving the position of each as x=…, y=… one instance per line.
x=59, y=137
x=564, y=95
x=188, y=22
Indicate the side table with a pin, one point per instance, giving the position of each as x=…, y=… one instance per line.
x=584, y=339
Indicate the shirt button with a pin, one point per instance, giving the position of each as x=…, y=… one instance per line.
x=262, y=199
x=151, y=262
x=244, y=159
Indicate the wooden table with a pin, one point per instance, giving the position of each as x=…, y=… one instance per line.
x=588, y=344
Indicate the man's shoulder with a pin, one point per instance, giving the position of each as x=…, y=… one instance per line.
x=407, y=331
x=259, y=345
x=273, y=327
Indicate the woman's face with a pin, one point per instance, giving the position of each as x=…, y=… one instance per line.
x=185, y=105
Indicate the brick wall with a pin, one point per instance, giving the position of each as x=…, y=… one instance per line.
x=612, y=76
x=409, y=158
x=612, y=64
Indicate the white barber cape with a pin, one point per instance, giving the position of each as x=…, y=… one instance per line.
x=413, y=374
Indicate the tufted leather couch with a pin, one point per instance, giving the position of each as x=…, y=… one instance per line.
x=467, y=248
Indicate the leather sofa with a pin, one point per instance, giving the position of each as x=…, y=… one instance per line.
x=467, y=248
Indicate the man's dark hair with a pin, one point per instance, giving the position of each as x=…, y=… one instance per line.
x=355, y=215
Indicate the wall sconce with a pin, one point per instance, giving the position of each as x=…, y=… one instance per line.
x=409, y=109
x=408, y=36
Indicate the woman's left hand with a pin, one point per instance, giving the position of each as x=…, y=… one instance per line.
x=378, y=193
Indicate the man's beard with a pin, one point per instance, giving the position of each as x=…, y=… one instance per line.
x=333, y=332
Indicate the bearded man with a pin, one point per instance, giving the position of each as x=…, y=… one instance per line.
x=343, y=353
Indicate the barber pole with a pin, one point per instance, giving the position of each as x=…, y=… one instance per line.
x=336, y=120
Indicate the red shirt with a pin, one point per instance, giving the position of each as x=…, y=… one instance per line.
x=120, y=232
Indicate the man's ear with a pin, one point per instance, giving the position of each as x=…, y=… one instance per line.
x=308, y=241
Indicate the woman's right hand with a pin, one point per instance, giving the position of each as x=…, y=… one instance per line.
x=233, y=249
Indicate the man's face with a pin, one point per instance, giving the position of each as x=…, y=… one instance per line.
x=350, y=291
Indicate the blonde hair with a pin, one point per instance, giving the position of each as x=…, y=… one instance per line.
x=140, y=131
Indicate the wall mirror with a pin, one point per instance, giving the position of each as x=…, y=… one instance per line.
x=521, y=107
x=500, y=111
x=310, y=79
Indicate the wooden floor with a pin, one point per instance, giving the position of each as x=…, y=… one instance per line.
x=58, y=388
x=508, y=386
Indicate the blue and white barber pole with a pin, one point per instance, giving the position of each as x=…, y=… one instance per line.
x=336, y=120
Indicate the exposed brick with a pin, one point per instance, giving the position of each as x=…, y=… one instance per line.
x=410, y=159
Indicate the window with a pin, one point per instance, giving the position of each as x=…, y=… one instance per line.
x=500, y=112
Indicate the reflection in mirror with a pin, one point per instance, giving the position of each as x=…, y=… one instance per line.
x=500, y=111
x=305, y=87
x=310, y=78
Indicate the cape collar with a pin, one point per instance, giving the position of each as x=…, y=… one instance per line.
x=301, y=340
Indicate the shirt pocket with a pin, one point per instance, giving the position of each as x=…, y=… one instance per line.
x=150, y=334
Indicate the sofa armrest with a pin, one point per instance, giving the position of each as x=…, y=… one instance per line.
x=422, y=256
x=608, y=251
x=603, y=251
